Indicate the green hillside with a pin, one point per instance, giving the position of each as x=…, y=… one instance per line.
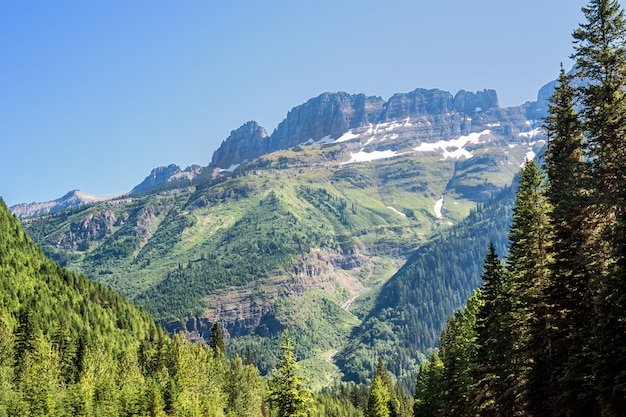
x=70, y=347
x=413, y=306
x=281, y=235
x=299, y=239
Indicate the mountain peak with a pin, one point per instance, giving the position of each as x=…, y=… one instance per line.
x=166, y=176
x=333, y=114
x=246, y=142
x=73, y=198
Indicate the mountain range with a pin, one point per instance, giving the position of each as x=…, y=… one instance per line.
x=310, y=228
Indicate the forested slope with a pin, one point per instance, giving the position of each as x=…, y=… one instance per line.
x=546, y=334
x=69, y=346
x=413, y=306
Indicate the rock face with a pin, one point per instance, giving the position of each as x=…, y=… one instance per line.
x=247, y=142
x=333, y=114
x=326, y=115
x=170, y=175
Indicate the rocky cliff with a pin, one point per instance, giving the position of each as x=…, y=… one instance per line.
x=330, y=115
x=169, y=176
x=247, y=142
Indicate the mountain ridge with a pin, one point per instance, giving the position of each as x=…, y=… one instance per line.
x=285, y=240
x=327, y=115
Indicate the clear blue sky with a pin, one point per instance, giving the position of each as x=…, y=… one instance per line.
x=94, y=94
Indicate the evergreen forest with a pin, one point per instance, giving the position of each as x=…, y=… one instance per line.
x=543, y=335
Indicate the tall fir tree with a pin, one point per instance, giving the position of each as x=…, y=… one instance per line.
x=216, y=341
x=600, y=54
x=489, y=337
x=428, y=388
x=458, y=354
x=528, y=269
x=561, y=383
x=288, y=395
x=393, y=402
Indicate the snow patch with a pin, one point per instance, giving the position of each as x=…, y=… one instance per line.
x=347, y=136
x=438, y=207
x=230, y=168
x=363, y=156
x=325, y=139
x=531, y=134
x=396, y=211
x=453, y=148
x=530, y=155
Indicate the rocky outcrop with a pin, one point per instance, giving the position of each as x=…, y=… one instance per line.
x=417, y=103
x=329, y=114
x=326, y=115
x=466, y=102
x=167, y=177
x=91, y=228
x=247, y=142
x=333, y=114
x=249, y=308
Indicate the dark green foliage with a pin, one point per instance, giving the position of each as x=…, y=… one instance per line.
x=560, y=374
x=562, y=306
x=413, y=306
x=600, y=54
x=216, y=341
x=491, y=337
x=429, y=387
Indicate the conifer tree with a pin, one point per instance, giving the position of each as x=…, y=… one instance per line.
x=528, y=269
x=428, y=388
x=600, y=54
x=560, y=372
x=489, y=337
x=378, y=403
x=216, y=341
x=287, y=392
x=393, y=402
x=458, y=354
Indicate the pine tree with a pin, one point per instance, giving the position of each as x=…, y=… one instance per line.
x=489, y=337
x=600, y=54
x=560, y=376
x=458, y=354
x=216, y=341
x=428, y=388
x=528, y=270
x=393, y=403
x=287, y=393
x=378, y=403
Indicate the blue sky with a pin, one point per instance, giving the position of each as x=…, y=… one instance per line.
x=94, y=94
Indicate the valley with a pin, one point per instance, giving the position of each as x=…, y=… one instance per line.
x=304, y=237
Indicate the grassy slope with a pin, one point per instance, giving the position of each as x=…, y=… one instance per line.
x=167, y=251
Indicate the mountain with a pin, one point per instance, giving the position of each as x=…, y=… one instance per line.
x=72, y=199
x=330, y=115
x=70, y=346
x=327, y=116
x=160, y=178
x=301, y=229
x=412, y=307
x=171, y=176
